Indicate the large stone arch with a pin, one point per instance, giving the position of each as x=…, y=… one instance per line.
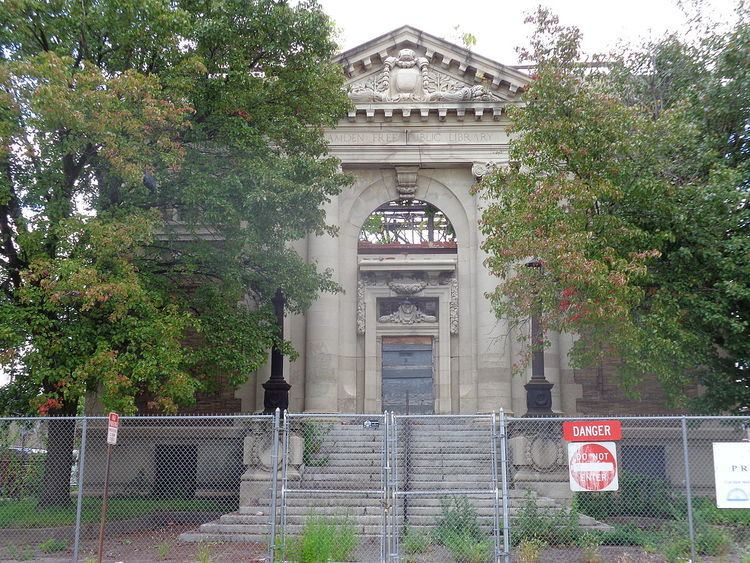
x=354, y=208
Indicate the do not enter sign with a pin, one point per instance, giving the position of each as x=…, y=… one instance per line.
x=593, y=466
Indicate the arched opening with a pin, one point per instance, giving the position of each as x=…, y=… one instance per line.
x=407, y=225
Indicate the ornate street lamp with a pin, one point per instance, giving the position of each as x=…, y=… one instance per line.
x=538, y=389
x=276, y=395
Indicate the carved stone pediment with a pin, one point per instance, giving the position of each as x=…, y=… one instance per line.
x=409, y=78
x=408, y=67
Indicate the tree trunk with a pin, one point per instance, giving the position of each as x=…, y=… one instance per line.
x=56, y=483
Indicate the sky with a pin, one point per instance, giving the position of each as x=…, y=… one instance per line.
x=498, y=24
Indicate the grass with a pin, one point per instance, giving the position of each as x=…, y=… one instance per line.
x=324, y=538
x=415, y=542
x=53, y=545
x=25, y=513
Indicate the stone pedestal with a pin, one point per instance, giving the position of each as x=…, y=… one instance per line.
x=257, y=455
x=540, y=462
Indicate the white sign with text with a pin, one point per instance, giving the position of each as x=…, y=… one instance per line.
x=732, y=473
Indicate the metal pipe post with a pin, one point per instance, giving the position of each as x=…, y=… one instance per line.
x=384, y=478
x=688, y=488
x=274, y=479
x=79, y=500
x=495, y=494
x=284, y=465
x=504, y=480
x=104, y=503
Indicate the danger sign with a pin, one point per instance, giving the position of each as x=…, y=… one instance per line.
x=592, y=430
x=593, y=466
x=112, y=425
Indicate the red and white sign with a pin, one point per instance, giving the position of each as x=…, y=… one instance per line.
x=593, y=466
x=113, y=424
x=592, y=430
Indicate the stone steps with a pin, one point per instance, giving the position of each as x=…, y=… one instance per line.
x=454, y=454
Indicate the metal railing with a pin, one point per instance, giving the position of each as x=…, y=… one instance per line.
x=382, y=487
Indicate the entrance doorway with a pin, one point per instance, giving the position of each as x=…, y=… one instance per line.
x=408, y=374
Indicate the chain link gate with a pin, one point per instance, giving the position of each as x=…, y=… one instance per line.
x=393, y=486
x=333, y=483
x=444, y=484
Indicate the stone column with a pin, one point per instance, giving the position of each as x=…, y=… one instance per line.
x=321, y=357
x=493, y=345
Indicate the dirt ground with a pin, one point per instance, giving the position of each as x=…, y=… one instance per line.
x=162, y=546
x=155, y=546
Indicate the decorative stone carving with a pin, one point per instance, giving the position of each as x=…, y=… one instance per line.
x=481, y=169
x=543, y=453
x=409, y=78
x=454, y=306
x=406, y=181
x=361, y=307
x=407, y=287
x=408, y=314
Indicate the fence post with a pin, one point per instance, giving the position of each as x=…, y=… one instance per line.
x=274, y=479
x=385, y=478
x=393, y=533
x=504, y=478
x=688, y=488
x=495, y=492
x=79, y=500
x=284, y=465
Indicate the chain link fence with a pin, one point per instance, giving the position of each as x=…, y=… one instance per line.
x=396, y=488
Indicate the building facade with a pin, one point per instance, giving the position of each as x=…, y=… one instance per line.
x=413, y=330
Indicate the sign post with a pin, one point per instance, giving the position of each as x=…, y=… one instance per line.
x=112, y=426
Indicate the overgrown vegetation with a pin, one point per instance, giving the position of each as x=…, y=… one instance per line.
x=629, y=184
x=459, y=531
x=313, y=434
x=53, y=545
x=156, y=158
x=639, y=495
x=530, y=550
x=414, y=542
x=323, y=538
x=551, y=526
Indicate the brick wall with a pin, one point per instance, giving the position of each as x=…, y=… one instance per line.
x=603, y=395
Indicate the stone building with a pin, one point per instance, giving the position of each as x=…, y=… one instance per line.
x=412, y=329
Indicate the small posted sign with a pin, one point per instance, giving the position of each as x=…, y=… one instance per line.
x=732, y=473
x=592, y=430
x=593, y=466
x=112, y=426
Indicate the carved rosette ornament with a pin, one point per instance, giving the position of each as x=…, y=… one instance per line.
x=481, y=169
x=409, y=78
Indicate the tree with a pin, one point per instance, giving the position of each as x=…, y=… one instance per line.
x=156, y=159
x=629, y=184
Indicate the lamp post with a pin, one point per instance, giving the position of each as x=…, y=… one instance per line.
x=276, y=389
x=538, y=389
